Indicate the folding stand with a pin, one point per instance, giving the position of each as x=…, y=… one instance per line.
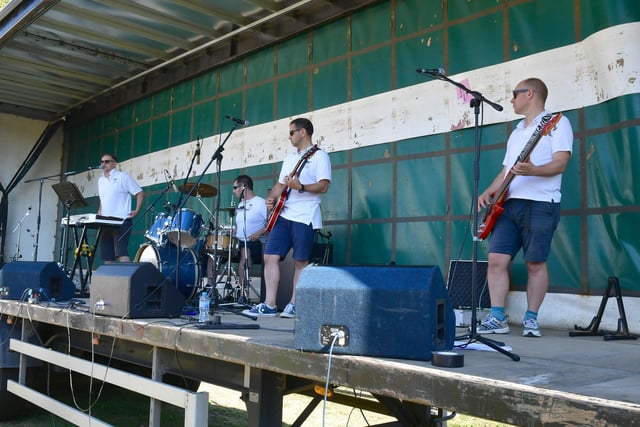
x=622, y=333
x=70, y=196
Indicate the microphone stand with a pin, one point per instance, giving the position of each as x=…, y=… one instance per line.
x=217, y=157
x=18, y=228
x=243, y=299
x=39, y=217
x=473, y=335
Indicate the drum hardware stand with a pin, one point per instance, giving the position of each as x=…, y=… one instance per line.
x=229, y=297
x=622, y=333
x=242, y=292
x=476, y=102
x=327, y=238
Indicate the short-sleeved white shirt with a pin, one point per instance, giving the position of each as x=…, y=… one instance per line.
x=538, y=188
x=251, y=217
x=115, y=193
x=305, y=207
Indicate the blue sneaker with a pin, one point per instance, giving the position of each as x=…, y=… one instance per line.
x=289, y=311
x=261, y=309
x=491, y=325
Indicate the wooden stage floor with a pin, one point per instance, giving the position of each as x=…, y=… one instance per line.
x=559, y=380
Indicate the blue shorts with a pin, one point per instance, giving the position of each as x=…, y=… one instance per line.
x=525, y=224
x=287, y=234
x=114, y=241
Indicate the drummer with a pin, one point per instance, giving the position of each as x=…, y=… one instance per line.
x=251, y=220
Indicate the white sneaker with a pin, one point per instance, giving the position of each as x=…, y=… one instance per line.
x=491, y=325
x=530, y=328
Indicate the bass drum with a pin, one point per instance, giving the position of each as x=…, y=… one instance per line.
x=164, y=259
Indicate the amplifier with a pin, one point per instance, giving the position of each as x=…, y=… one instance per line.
x=385, y=311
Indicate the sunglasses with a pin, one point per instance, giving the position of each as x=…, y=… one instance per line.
x=517, y=91
x=291, y=132
x=106, y=161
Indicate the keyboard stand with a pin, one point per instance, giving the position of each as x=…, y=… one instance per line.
x=84, y=249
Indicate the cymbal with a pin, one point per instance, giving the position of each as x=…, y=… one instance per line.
x=203, y=190
x=228, y=209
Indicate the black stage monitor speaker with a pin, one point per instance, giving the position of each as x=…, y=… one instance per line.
x=43, y=278
x=133, y=290
x=384, y=311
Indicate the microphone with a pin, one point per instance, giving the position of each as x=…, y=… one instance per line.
x=237, y=121
x=171, y=181
x=90, y=168
x=436, y=72
x=198, y=152
x=242, y=193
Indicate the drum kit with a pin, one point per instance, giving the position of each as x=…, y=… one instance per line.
x=186, y=240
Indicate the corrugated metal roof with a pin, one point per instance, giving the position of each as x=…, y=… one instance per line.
x=58, y=55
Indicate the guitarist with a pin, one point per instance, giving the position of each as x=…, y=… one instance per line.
x=531, y=208
x=300, y=186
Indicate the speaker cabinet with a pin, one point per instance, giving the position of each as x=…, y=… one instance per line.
x=459, y=284
x=383, y=311
x=133, y=290
x=44, y=278
x=321, y=252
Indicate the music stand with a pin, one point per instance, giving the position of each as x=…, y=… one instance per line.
x=70, y=196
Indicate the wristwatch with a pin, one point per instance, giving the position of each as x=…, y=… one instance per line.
x=301, y=190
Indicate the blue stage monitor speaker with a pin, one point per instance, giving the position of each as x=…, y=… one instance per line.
x=19, y=279
x=384, y=311
x=133, y=290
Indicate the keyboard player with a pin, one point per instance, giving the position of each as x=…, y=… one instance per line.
x=116, y=189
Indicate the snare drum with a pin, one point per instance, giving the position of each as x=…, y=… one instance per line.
x=164, y=258
x=158, y=230
x=225, y=238
x=189, y=229
x=222, y=243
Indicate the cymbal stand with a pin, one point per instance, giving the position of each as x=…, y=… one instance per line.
x=231, y=275
x=243, y=291
x=245, y=284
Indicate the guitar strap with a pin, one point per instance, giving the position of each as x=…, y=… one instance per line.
x=302, y=165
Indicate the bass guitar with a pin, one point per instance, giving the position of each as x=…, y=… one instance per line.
x=494, y=208
x=277, y=208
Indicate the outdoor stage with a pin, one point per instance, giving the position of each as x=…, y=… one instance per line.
x=559, y=380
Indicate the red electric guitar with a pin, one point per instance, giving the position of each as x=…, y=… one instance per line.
x=494, y=208
x=275, y=212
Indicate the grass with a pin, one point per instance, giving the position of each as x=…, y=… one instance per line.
x=226, y=409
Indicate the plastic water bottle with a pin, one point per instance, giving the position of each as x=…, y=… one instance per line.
x=203, y=308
